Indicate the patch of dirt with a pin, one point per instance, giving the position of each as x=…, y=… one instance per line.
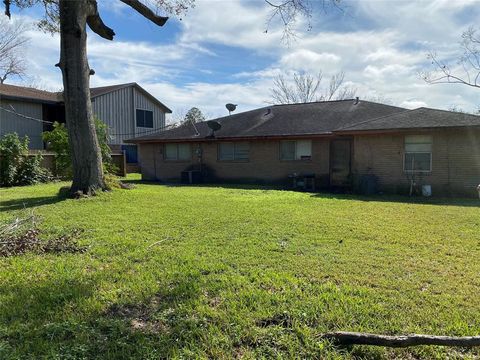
x=139, y=317
x=282, y=320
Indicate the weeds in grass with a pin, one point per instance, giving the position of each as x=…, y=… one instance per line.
x=22, y=235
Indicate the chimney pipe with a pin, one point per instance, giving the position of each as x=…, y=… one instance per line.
x=357, y=99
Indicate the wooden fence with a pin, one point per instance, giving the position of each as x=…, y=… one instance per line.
x=48, y=161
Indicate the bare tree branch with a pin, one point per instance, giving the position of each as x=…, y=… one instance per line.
x=290, y=11
x=467, y=71
x=307, y=88
x=12, y=44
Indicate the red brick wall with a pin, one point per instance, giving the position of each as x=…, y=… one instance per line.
x=264, y=164
x=455, y=162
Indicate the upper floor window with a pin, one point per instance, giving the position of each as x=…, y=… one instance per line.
x=178, y=152
x=418, y=153
x=144, y=118
x=230, y=151
x=296, y=150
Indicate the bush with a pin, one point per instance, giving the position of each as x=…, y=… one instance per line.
x=16, y=166
x=57, y=141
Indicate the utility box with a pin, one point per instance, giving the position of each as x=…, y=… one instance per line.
x=191, y=177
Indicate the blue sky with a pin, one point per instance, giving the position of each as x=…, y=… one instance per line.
x=220, y=53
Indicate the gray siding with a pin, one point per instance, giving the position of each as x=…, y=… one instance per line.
x=117, y=110
x=10, y=123
x=143, y=102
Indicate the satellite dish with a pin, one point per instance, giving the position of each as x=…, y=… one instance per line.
x=230, y=107
x=214, y=125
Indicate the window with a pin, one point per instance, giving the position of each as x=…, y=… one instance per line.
x=296, y=150
x=418, y=153
x=178, y=152
x=230, y=151
x=144, y=118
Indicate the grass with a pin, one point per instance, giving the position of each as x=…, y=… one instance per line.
x=226, y=272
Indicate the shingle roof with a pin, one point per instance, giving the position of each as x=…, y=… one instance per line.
x=416, y=119
x=21, y=92
x=315, y=118
x=31, y=94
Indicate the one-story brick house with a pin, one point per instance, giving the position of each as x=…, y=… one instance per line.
x=338, y=143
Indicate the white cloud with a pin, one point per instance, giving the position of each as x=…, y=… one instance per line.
x=412, y=104
x=383, y=61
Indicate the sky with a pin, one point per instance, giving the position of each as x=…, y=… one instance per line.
x=219, y=52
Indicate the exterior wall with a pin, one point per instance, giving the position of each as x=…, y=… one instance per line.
x=455, y=162
x=117, y=110
x=143, y=102
x=10, y=123
x=264, y=165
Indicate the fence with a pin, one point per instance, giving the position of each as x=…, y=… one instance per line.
x=48, y=161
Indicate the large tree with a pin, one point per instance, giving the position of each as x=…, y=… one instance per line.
x=73, y=16
x=304, y=87
x=194, y=115
x=12, y=44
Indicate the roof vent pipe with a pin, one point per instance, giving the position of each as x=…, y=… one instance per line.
x=355, y=102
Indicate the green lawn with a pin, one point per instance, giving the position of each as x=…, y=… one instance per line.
x=238, y=273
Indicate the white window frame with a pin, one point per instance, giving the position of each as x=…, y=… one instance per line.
x=416, y=171
x=405, y=153
x=177, y=148
x=235, y=144
x=295, y=154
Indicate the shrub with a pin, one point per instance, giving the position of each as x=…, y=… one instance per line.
x=16, y=166
x=57, y=141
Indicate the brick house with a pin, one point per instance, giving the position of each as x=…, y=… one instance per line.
x=340, y=144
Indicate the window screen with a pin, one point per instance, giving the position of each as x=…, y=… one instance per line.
x=228, y=151
x=418, y=161
x=418, y=153
x=287, y=150
x=304, y=150
x=296, y=150
x=178, y=152
x=184, y=152
x=171, y=152
x=242, y=150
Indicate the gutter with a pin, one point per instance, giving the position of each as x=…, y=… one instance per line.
x=229, y=138
x=29, y=99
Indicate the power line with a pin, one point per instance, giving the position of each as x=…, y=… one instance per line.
x=164, y=128
x=24, y=116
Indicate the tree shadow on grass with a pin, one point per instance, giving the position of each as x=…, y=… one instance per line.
x=324, y=194
x=26, y=203
x=161, y=324
x=45, y=318
x=465, y=202
x=40, y=301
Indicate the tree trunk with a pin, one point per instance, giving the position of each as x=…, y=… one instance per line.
x=86, y=155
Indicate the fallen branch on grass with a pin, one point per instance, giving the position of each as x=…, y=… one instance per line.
x=356, y=338
x=22, y=235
